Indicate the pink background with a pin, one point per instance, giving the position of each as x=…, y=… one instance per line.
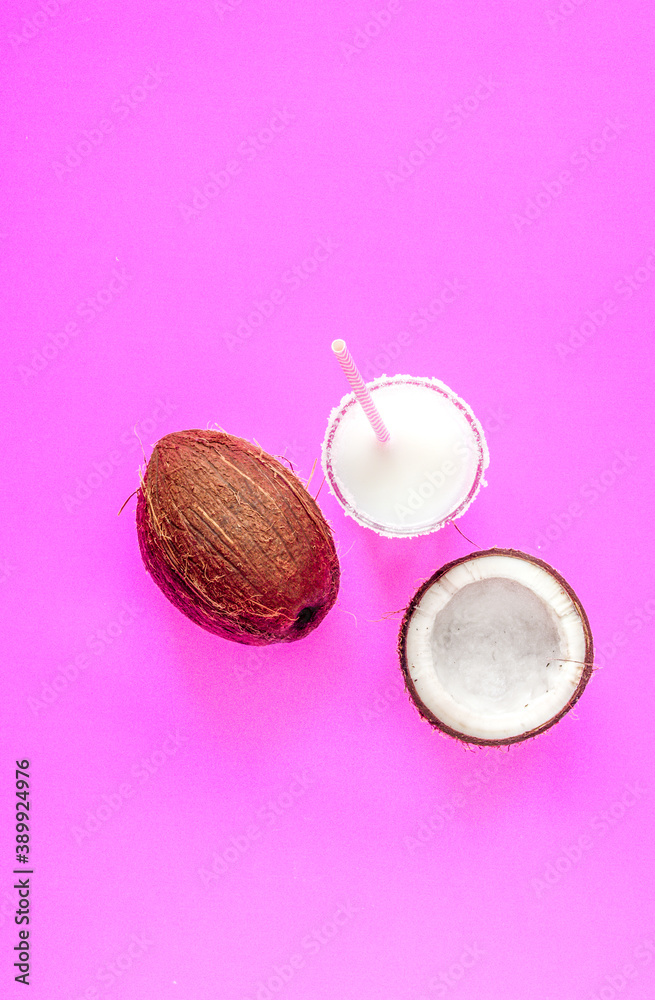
x=212, y=821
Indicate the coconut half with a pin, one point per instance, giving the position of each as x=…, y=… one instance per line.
x=495, y=648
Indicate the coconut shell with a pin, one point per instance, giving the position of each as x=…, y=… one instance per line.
x=234, y=540
x=427, y=714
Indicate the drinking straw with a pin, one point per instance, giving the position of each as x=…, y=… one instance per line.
x=358, y=386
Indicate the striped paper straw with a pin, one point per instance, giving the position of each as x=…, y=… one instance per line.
x=358, y=386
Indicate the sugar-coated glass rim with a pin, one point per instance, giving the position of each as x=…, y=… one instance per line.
x=413, y=530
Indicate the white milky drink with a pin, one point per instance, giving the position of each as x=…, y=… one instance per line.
x=427, y=474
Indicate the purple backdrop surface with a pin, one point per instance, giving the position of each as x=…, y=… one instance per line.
x=197, y=198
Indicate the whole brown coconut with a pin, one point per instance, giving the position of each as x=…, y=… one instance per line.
x=495, y=648
x=234, y=540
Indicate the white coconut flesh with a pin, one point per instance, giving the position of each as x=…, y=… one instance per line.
x=496, y=647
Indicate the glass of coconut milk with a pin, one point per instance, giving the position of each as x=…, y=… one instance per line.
x=427, y=473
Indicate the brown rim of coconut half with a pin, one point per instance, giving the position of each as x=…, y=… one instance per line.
x=495, y=648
